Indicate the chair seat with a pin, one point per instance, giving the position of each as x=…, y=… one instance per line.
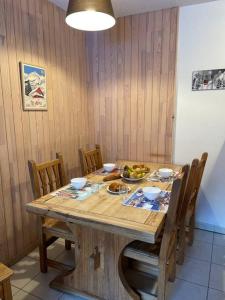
x=57, y=228
x=143, y=252
x=5, y=273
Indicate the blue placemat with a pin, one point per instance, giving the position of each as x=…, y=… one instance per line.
x=137, y=199
x=68, y=192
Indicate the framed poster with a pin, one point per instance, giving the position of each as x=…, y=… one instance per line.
x=33, y=86
x=208, y=80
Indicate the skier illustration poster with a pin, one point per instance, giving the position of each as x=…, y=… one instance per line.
x=33, y=80
x=208, y=80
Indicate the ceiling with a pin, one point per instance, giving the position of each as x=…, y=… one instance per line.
x=132, y=7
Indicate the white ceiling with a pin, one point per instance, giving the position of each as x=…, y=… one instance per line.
x=131, y=7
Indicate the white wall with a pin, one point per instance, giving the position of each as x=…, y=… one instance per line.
x=200, y=124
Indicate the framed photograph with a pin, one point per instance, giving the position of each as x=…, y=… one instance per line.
x=33, y=86
x=208, y=80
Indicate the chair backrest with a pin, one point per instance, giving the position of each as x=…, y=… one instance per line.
x=91, y=160
x=198, y=179
x=47, y=176
x=189, y=192
x=170, y=230
x=185, y=171
x=193, y=185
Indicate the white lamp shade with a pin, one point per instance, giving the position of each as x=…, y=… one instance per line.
x=90, y=20
x=90, y=15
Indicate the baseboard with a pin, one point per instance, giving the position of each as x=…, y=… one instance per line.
x=210, y=227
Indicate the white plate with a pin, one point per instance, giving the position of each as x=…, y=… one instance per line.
x=132, y=179
x=118, y=193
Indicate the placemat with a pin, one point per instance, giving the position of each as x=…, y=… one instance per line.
x=155, y=177
x=68, y=192
x=137, y=199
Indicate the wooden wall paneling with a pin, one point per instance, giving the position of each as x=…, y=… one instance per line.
x=20, y=130
x=171, y=83
x=156, y=83
x=142, y=63
x=141, y=85
x=5, y=201
x=43, y=117
x=28, y=118
x=120, y=89
x=33, y=60
x=102, y=94
x=114, y=62
x=134, y=87
x=108, y=97
x=127, y=86
x=47, y=37
x=90, y=41
x=149, y=84
x=35, y=32
x=8, y=92
x=73, y=96
x=164, y=85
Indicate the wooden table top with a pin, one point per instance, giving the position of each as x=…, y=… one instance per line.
x=104, y=211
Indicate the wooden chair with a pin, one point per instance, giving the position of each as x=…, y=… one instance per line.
x=190, y=217
x=160, y=257
x=45, y=178
x=91, y=160
x=189, y=194
x=187, y=215
x=5, y=286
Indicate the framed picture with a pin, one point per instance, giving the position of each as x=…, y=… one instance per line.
x=208, y=80
x=33, y=86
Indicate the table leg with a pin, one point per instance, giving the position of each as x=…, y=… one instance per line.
x=98, y=273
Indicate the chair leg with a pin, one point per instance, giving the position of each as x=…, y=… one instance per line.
x=181, y=247
x=162, y=285
x=191, y=230
x=67, y=245
x=172, y=269
x=7, y=291
x=43, y=254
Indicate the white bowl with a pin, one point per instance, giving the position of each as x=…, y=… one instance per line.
x=109, y=167
x=165, y=173
x=151, y=192
x=78, y=183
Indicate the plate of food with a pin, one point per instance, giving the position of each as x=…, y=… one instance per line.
x=118, y=188
x=135, y=173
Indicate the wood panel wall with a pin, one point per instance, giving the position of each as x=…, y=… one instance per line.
x=115, y=88
x=34, y=32
x=131, y=86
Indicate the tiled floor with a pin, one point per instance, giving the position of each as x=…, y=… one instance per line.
x=202, y=277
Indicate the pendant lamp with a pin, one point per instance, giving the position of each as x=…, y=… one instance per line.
x=90, y=15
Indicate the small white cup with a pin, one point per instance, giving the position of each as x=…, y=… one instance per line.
x=78, y=183
x=165, y=173
x=109, y=167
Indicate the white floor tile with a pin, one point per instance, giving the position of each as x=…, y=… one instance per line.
x=215, y=295
x=200, y=250
x=184, y=290
x=61, y=241
x=217, y=277
x=67, y=257
x=24, y=271
x=14, y=290
x=218, y=255
x=203, y=236
x=195, y=271
x=54, y=250
x=39, y=286
x=21, y=295
x=219, y=239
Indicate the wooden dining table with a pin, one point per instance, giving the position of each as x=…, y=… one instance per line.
x=102, y=227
